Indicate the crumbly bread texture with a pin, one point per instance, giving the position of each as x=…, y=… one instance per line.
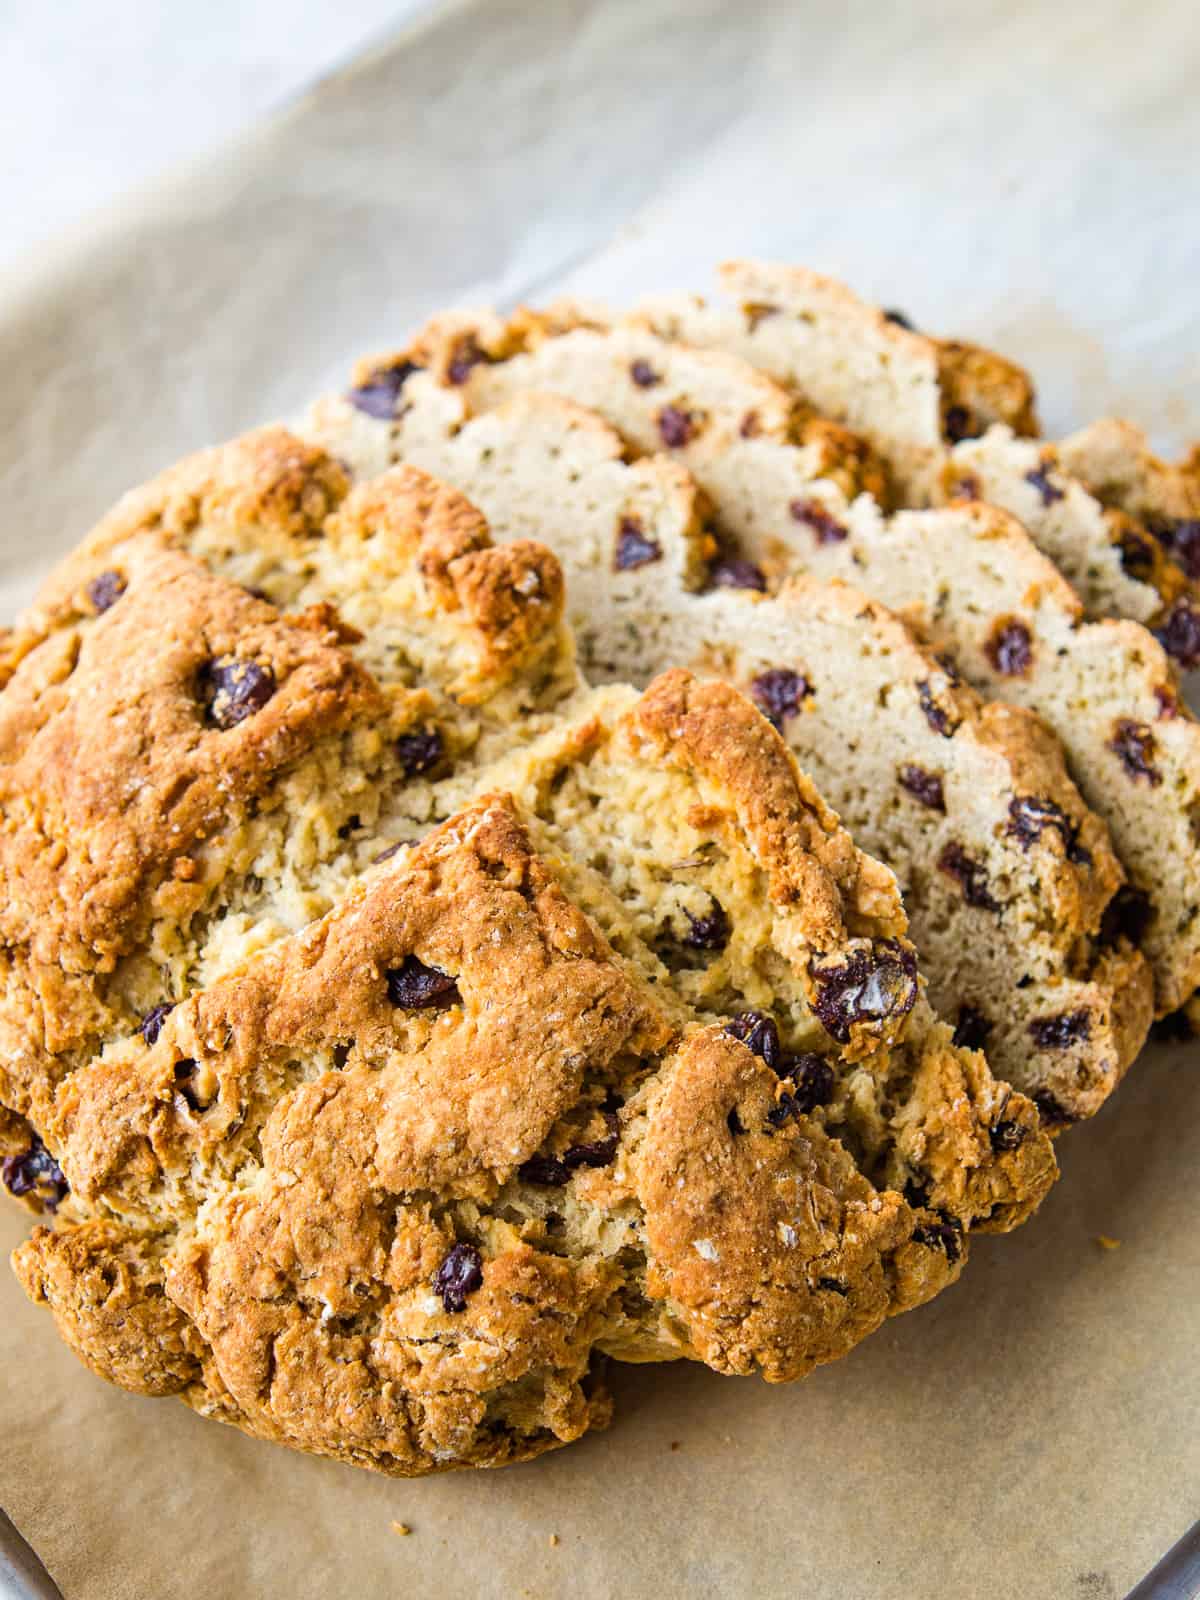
x=748, y=444
x=783, y=525
x=910, y=396
x=182, y=759
x=1114, y=459
x=540, y=461
x=1006, y=873
x=445, y=1024
x=974, y=585
x=952, y=422
x=1116, y=566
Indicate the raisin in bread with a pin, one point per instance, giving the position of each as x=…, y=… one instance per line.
x=190, y=771
x=379, y=1184
x=910, y=396
x=1014, y=627
x=785, y=525
x=859, y=365
x=730, y=426
x=1115, y=565
x=995, y=799
x=1114, y=459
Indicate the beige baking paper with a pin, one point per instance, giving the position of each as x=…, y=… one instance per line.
x=1017, y=173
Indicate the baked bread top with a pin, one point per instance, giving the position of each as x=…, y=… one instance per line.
x=488, y=1023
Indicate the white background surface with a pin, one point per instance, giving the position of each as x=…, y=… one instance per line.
x=96, y=95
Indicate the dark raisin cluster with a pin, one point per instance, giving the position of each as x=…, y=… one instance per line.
x=826, y=528
x=554, y=1171
x=923, y=786
x=36, y=1172
x=778, y=694
x=459, y=1275
x=1135, y=746
x=970, y=874
x=634, y=546
x=233, y=690
x=105, y=590
x=418, y=987
x=1010, y=647
x=871, y=986
x=676, y=427
x=380, y=395
x=1029, y=817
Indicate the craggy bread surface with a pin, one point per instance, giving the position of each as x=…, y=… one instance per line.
x=445, y=1025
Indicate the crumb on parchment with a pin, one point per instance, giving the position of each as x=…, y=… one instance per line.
x=401, y=1528
x=1105, y=1243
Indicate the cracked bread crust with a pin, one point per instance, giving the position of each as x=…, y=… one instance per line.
x=720, y=733
x=906, y=394
x=366, y=1183
x=283, y=1282
x=131, y=1140
x=90, y=850
x=278, y=515
x=811, y=1232
x=129, y=794
x=183, y=761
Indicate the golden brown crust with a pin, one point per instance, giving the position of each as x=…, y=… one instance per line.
x=510, y=597
x=796, y=1273
x=104, y=1285
x=268, y=481
x=86, y=850
x=984, y=385
x=471, y=900
x=366, y=1178
x=718, y=730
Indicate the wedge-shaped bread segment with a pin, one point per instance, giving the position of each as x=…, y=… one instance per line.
x=708, y=858
x=865, y=708
x=1116, y=462
x=190, y=771
x=910, y=396
x=710, y=861
x=728, y=424
x=384, y=1192
x=1115, y=564
x=1108, y=689
x=809, y=333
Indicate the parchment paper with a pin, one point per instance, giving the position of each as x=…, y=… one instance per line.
x=1018, y=173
